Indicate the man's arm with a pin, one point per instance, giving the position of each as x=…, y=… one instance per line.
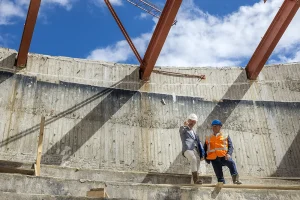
x=200, y=147
x=230, y=146
x=205, y=154
x=205, y=148
x=182, y=129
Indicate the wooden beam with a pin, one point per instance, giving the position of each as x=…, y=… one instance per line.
x=271, y=38
x=15, y=167
x=30, y=22
x=40, y=148
x=16, y=171
x=97, y=192
x=159, y=37
x=245, y=186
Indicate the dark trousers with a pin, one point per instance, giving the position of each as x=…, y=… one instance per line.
x=218, y=163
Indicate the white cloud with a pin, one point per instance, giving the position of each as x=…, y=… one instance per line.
x=296, y=57
x=113, y=2
x=116, y=2
x=119, y=51
x=11, y=9
x=64, y=3
x=143, y=16
x=201, y=39
x=283, y=58
x=6, y=39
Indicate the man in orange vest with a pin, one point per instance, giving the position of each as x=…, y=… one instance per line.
x=218, y=150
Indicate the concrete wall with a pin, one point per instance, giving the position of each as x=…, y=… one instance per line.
x=99, y=115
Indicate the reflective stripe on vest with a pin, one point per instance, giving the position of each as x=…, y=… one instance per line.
x=210, y=151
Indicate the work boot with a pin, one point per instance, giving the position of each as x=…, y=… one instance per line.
x=196, y=178
x=235, y=179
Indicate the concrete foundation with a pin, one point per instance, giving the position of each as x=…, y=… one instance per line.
x=101, y=116
x=14, y=196
x=153, y=178
x=20, y=184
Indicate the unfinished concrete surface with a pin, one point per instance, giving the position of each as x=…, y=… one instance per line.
x=20, y=184
x=15, y=196
x=99, y=115
x=152, y=178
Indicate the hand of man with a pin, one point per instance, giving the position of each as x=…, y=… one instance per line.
x=227, y=157
x=185, y=123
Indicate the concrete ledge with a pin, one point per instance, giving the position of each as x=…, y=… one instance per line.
x=140, y=177
x=144, y=177
x=14, y=196
x=149, y=177
x=15, y=183
x=118, y=176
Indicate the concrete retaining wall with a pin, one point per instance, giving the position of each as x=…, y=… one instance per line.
x=99, y=115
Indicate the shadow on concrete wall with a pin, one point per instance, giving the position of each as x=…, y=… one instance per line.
x=92, y=122
x=284, y=121
x=96, y=116
x=7, y=62
x=56, y=117
x=4, y=76
x=221, y=111
x=290, y=164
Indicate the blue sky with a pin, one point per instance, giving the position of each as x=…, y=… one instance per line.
x=208, y=33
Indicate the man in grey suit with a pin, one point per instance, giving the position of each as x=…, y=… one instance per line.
x=192, y=148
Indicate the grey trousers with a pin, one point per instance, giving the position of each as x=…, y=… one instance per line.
x=194, y=159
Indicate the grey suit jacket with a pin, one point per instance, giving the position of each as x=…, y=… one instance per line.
x=189, y=142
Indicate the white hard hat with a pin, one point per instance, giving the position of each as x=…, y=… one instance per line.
x=193, y=117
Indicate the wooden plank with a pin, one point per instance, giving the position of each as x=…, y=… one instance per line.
x=7, y=166
x=40, y=148
x=11, y=164
x=246, y=186
x=96, y=192
x=12, y=170
x=217, y=190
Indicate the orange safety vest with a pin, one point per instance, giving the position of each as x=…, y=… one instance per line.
x=217, y=146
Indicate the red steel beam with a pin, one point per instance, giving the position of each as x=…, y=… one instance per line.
x=271, y=38
x=159, y=37
x=31, y=18
x=114, y=14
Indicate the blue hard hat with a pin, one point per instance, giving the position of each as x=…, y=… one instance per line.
x=216, y=122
